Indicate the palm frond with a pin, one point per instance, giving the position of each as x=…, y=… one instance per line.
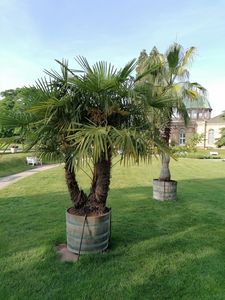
x=91, y=141
x=173, y=55
x=125, y=72
x=188, y=56
x=82, y=61
x=16, y=119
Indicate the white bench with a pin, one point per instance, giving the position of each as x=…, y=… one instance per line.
x=33, y=160
x=213, y=153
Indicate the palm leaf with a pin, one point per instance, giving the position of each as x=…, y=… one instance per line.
x=188, y=56
x=173, y=56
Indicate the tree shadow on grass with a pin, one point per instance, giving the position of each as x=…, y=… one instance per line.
x=159, y=250
x=136, y=216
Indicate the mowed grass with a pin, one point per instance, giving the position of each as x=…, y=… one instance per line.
x=12, y=163
x=159, y=250
x=201, y=153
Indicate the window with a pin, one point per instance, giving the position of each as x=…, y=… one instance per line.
x=211, y=137
x=194, y=114
x=206, y=115
x=182, y=137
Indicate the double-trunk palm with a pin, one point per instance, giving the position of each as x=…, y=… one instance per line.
x=114, y=122
x=85, y=118
x=95, y=202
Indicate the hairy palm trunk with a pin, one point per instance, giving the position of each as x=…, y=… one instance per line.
x=77, y=196
x=100, y=183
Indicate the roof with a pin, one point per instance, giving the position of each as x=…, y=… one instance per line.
x=200, y=103
x=217, y=120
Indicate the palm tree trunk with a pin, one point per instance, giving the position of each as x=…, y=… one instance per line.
x=100, y=183
x=165, y=159
x=77, y=196
x=165, y=171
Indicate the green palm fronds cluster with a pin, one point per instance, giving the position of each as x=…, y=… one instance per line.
x=73, y=115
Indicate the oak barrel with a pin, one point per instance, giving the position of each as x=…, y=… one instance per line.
x=164, y=190
x=95, y=229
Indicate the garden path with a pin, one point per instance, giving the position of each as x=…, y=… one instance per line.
x=7, y=180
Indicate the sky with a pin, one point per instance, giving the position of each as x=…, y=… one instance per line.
x=34, y=33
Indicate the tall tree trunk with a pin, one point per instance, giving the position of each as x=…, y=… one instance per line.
x=165, y=159
x=100, y=183
x=77, y=196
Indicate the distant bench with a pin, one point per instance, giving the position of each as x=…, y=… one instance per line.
x=214, y=153
x=33, y=161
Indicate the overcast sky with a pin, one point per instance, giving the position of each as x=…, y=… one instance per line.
x=34, y=33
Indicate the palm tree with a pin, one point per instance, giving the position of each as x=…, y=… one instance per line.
x=114, y=122
x=85, y=117
x=169, y=78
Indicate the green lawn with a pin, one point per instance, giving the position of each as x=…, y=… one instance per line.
x=201, y=153
x=13, y=163
x=159, y=250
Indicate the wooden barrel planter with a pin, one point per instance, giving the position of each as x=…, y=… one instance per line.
x=164, y=190
x=88, y=235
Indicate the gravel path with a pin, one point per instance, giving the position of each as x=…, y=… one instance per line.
x=7, y=180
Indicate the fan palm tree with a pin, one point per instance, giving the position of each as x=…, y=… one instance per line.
x=114, y=122
x=86, y=117
x=169, y=78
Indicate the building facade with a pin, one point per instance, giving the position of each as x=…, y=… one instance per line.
x=200, y=122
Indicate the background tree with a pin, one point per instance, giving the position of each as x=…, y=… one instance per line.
x=221, y=141
x=169, y=78
x=8, y=103
x=191, y=145
x=13, y=100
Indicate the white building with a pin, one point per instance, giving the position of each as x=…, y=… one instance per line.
x=200, y=122
x=211, y=130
